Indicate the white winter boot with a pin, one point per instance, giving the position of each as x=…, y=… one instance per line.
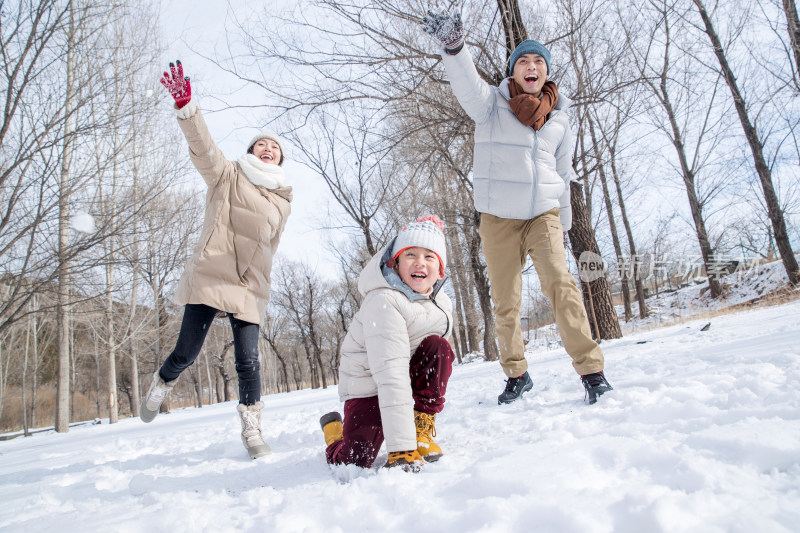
x=252, y=438
x=152, y=401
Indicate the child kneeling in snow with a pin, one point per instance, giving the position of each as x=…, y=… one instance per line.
x=395, y=359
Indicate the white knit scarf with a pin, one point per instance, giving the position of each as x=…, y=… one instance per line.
x=262, y=174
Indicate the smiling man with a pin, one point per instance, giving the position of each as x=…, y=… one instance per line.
x=530, y=70
x=521, y=173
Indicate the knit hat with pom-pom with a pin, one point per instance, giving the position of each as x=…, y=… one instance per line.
x=425, y=232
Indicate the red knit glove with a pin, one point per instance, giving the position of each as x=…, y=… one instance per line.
x=177, y=84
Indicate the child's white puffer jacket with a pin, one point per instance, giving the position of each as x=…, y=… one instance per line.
x=387, y=329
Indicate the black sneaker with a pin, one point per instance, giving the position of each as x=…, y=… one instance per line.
x=515, y=387
x=595, y=384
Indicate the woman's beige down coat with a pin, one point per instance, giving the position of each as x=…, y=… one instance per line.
x=231, y=264
x=376, y=353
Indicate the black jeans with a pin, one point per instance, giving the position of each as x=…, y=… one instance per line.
x=197, y=319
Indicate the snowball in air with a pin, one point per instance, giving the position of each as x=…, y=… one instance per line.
x=82, y=222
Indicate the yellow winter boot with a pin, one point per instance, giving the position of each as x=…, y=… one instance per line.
x=332, y=427
x=426, y=430
x=409, y=461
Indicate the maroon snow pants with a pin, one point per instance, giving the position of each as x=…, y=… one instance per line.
x=363, y=432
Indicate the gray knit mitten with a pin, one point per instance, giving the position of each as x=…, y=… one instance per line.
x=448, y=28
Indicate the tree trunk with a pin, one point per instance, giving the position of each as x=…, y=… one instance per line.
x=312, y=335
x=458, y=331
x=297, y=374
x=697, y=213
x=62, y=306
x=585, y=206
x=600, y=308
x=4, y=370
x=197, y=379
x=98, y=373
x=283, y=371
x=793, y=23
x=25, y=379
x=73, y=367
x=626, y=297
x=162, y=318
x=688, y=172
x=227, y=389
x=490, y=352
x=597, y=297
x=465, y=287
x=134, y=356
x=35, y=381
x=513, y=27
x=459, y=320
x=318, y=358
x=210, y=382
x=637, y=277
x=110, y=341
x=757, y=148
x=313, y=368
x=335, y=360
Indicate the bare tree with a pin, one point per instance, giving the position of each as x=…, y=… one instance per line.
x=344, y=147
x=598, y=151
x=33, y=128
x=756, y=144
x=302, y=297
x=679, y=96
x=58, y=135
x=611, y=141
x=513, y=27
x=227, y=378
x=342, y=305
x=62, y=399
x=271, y=333
x=793, y=27
x=169, y=227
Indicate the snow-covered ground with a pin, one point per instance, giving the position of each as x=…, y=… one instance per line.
x=750, y=284
x=701, y=434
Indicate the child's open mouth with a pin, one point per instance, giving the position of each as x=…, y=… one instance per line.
x=532, y=78
x=418, y=275
x=267, y=157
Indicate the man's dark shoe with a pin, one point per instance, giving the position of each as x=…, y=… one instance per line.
x=595, y=384
x=515, y=387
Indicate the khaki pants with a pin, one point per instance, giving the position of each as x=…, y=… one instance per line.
x=506, y=243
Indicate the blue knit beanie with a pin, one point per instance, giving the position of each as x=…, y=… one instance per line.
x=528, y=46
